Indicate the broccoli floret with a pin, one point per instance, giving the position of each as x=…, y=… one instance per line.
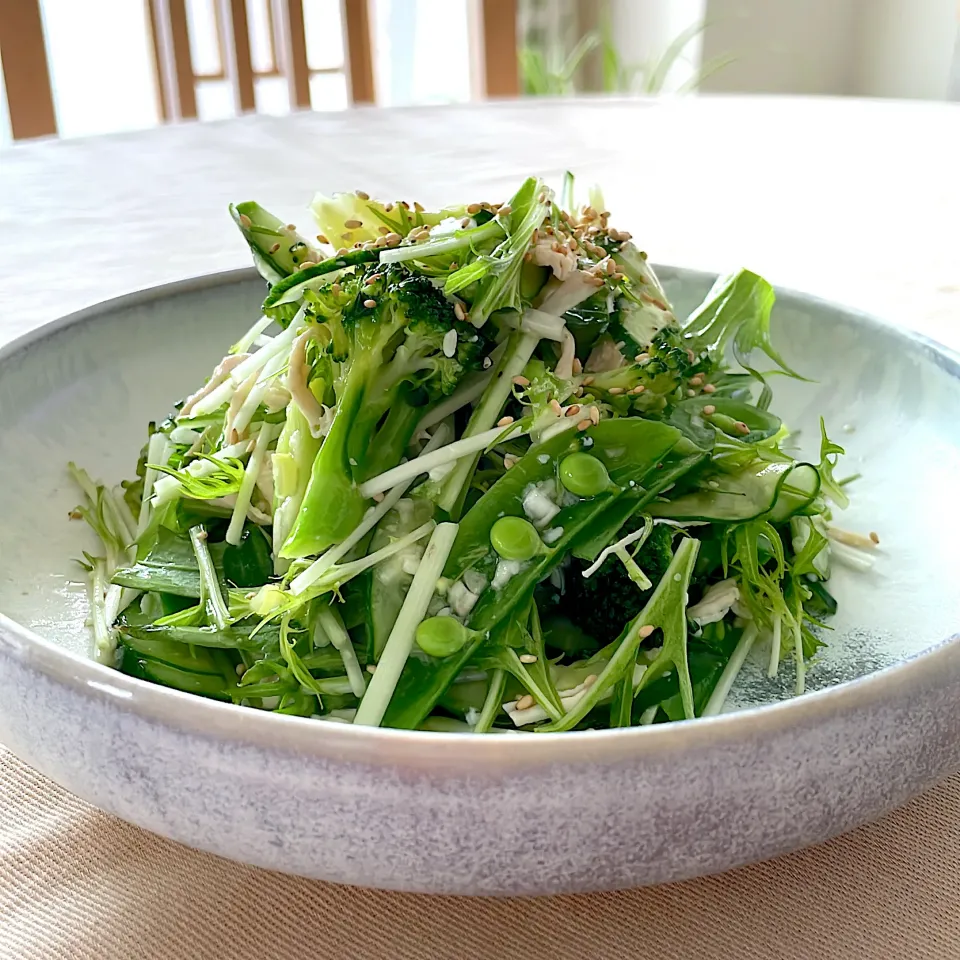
x=400, y=349
x=603, y=604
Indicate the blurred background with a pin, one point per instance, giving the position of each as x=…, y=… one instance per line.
x=81, y=67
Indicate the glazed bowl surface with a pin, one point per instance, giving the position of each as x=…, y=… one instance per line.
x=451, y=813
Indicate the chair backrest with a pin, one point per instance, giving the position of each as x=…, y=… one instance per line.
x=27, y=78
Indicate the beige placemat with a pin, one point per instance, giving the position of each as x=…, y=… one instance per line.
x=77, y=884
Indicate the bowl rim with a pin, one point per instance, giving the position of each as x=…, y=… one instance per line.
x=203, y=717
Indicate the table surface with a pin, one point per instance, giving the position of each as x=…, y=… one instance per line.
x=856, y=201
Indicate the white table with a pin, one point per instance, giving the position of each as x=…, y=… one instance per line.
x=852, y=200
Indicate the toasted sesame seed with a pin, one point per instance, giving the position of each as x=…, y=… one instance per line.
x=709, y=410
x=321, y=238
x=525, y=702
x=595, y=415
x=577, y=366
x=370, y=303
x=363, y=195
x=353, y=224
x=509, y=461
x=691, y=393
x=873, y=537
x=639, y=388
x=573, y=411
x=505, y=210
x=555, y=407
x=458, y=310
x=342, y=252
x=393, y=239
x=473, y=208
x=625, y=235
x=504, y=421
x=380, y=242
x=388, y=207
x=587, y=381
x=404, y=204
x=369, y=245
x=610, y=268
x=291, y=227
x=583, y=424
x=245, y=221
x=521, y=381
x=383, y=231
x=741, y=427
x=307, y=263
x=645, y=631
x=275, y=248
x=615, y=390
x=709, y=388
x=465, y=222
x=527, y=658
x=346, y=236
x=697, y=380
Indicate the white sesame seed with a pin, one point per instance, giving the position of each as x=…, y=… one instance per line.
x=458, y=310
x=527, y=658
x=709, y=388
x=371, y=668
x=504, y=421
x=583, y=424
x=555, y=407
x=645, y=631
x=450, y=343
x=275, y=248
x=709, y=410
x=691, y=393
x=595, y=415
x=525, y=702
x=615, y=390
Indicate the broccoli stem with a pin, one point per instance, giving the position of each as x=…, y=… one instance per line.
x=516, y=357
x=391, y=440
x=400, y=642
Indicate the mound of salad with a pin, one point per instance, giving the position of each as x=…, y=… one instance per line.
x=469, y=472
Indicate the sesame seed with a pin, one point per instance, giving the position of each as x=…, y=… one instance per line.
x=587, y=381
x=709, y=388
x=873, y=537
x=527, y=658
x=573, y=411
x=353, y=224
x=393, y=239
x=346, y=236
x=504, y=421
x=590, y=681
x=528, y=257
x=578, y=392
x=741, y=427
x=691, y=393
x=465, y=222
x=525, y=702
x=509, y=461
x=639, y=388
x=371, y=668
x=454, y=266
x=505, y=210
x=275, y=248
x=709, y=410
x=645, y=631
x=245, y=221
x=336, y=289
x=555, y=407
x=521, y=381
x=241, y=669
x=383, y=231
x=625, y=235
x=577, y=366
x=370, y=303
x=583, y=424
x=473, y=208
x=321, y=238
x=380, y=242
x=696, y=381
x=458, y=310
x=610, y=268
x=615, y=390
x=343, y=251
x=363, y=195
x=291, y=227
x=595, y=415
x=388, y=207
x=369, y=245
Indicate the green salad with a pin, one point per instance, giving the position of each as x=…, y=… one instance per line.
x=470, y=472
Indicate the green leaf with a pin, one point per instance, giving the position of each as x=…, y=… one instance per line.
x=830, y=452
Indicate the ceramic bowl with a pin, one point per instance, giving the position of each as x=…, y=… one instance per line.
x=487, y=815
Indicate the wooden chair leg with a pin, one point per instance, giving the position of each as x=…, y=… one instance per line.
x=171, y=49
x=237, y=62
x=498, y=26
x=26, y=75
x=359, y=56
x=292, y=50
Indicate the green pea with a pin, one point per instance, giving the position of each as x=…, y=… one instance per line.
x=584, y=475
x=515, y=538
x=441, y=636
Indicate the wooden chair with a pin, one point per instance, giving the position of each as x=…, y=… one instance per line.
x=27, y=78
